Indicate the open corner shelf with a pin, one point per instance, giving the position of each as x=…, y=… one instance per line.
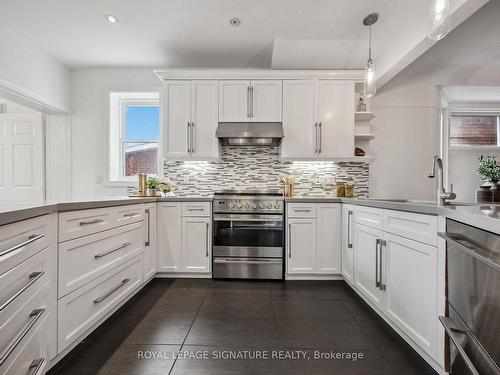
x=363, y=116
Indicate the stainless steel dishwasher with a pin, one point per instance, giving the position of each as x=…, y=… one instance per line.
x=472, y=324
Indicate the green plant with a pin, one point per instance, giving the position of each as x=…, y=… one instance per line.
x=489, y=171
x=153, y=183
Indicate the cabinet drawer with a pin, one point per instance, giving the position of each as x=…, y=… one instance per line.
x=418, y=227
x=18, y=319
x=369, y=216
x=299, y=210
x=83, y=259
x=80, y=310
x=18, y=285
x=196, y=209
x=76, y=224
x=19, y=241
x=30, y=357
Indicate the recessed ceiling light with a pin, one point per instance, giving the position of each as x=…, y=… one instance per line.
x=111, y=19
x=235, y=21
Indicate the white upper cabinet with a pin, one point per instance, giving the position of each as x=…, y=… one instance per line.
x=190, y=113
x=247, y=101
x=204, y=119
x=266, y=101
x=336, y=119
x=318, y=119
x=298, y=119
x=177, y=118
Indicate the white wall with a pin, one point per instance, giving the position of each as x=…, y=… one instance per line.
x=90, y=124
x=406, y=127
x=28, y=73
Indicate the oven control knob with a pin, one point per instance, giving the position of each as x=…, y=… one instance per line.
x=262, y=205
x=247, y=205
x=269, y=205
x=254, y=205
x=231, y=204
x=239, y=205
x=277, y=204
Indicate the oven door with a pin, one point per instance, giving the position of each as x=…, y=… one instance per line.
x=254, y=236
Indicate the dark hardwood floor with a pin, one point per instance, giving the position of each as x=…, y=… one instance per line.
x=189, y=326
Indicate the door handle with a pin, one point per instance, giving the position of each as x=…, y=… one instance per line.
x=377, y=245
x=148, y=213
x=383, y=244
x=188, y=145
x=320, y=137
x=97, y=256
x=192, y=137
x=110, y=292
x=349, y=241
x=251, y=101
x=248, y=101
x=315, y=137
x=207, y=243
x=36, y=366
x=33, y=277
x=31, y=238
x=289, y=240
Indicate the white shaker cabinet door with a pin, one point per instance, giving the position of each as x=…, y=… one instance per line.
x=266, y=101
x=196, y=244
x=335, y=106
x=329, y=238
x=177, y=118
x=299, y=126
x=348, y=243
x=366, y=261
x=301, y=246
x=170, y=237
x=151, y=240
x=411, y=296
x=234, y=101
x=204, y=119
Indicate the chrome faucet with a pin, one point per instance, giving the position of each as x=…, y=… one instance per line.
x=442, y=196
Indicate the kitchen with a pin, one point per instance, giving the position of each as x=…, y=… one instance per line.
x=288, y=209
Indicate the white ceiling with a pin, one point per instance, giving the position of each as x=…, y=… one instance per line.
x=281, y=34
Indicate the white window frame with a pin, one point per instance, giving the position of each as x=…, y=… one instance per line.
x=117, y=105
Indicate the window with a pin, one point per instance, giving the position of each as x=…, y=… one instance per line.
x=134, y=135
x=479, y=130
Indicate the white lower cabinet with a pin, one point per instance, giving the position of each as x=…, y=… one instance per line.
x=399, y=276
x=151, y=240
x=185, y=237
x=348, y=243
x=313, y=238
x=301, y=246
x=366, y=263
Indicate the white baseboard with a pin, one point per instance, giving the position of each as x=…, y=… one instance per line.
x=313, y=277
x=187, y=275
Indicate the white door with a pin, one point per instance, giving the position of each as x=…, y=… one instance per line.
x=170, y=237
x=234, y=101
x=21, y=160
x=329, y=237
x=204, y=119
x=177, y=116
x=336, y=117
x=151, y=240
x=299, y=127
x=196, y=244
x=301, y=246
x=266, y=101
x=365, y=263
x=348, y=243
x=410, y=275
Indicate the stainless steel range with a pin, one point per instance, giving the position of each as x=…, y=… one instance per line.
x=248, y=239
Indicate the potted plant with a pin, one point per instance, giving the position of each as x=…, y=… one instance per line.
x=153, y=185
x=489, y=172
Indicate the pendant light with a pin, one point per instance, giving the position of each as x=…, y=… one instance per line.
x=439, y=19
x=370, y=85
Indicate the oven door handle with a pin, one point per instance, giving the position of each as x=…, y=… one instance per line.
x=450, y=331
x=248, y=261
x=248, y=217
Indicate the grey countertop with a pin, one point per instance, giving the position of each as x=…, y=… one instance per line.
x=486, y=216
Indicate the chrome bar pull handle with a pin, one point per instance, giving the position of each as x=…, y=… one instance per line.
x=289, y=240
x=36, y=366
x=148, y=214
x=383, y=244
x=315, y=137
x=97, y=256
x=207, y=240
x=349, y=239
x=90, y=222
x=32, y=238
x=192, y=137
x=248, y=101
x=110, y=292
x=320, y=137
x=251, y=101
x=377, y=245
x=33, y=277
x=188, y=136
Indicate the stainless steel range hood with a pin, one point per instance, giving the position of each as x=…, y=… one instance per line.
x=250, y=133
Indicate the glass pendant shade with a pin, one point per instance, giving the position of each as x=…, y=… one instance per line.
x=370, y=85
x=439, y=19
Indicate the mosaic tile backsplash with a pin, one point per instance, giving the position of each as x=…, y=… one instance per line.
x=259, y=167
